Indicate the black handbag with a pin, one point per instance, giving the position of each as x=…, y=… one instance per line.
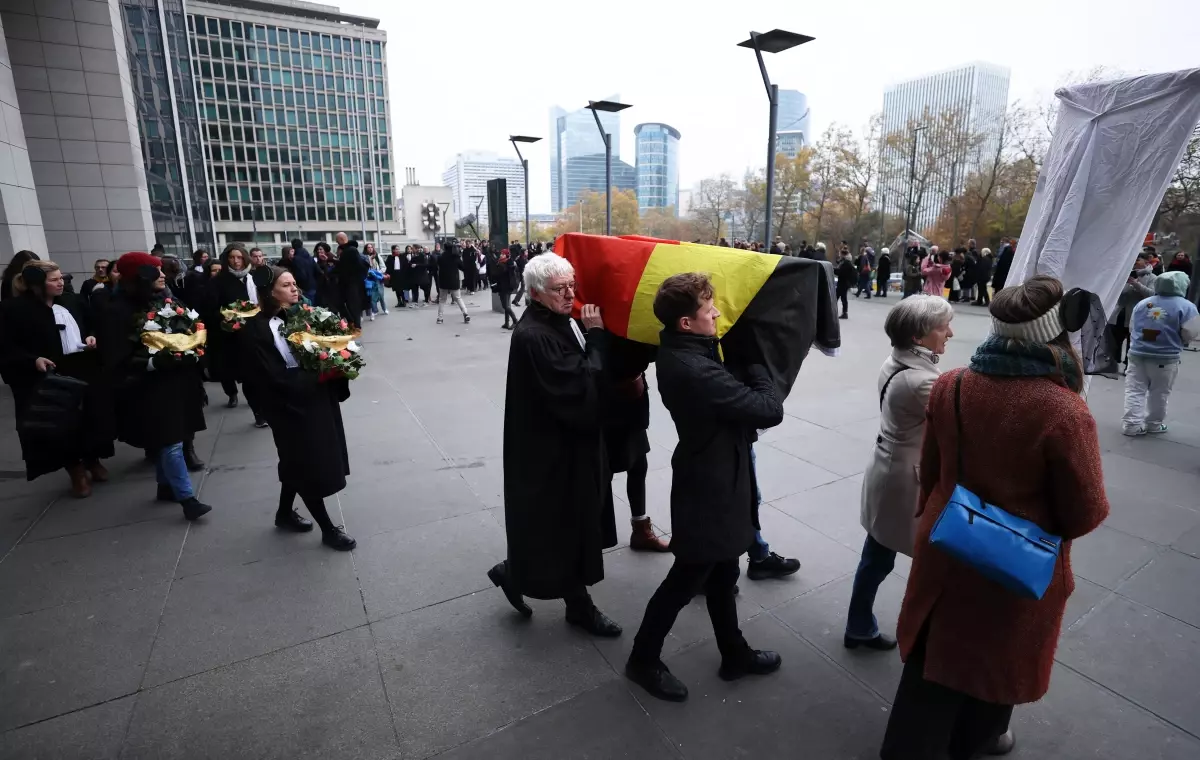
x=55, y=411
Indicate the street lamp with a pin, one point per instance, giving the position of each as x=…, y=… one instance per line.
x=912, y=172
x=514, y=139
x=775, y=41
x=612, y=107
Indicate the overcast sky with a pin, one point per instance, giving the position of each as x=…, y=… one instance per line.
x=503, y=64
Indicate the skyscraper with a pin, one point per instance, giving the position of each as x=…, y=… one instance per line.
x=967, y=100
x=574, y=136
x=657, y=166
x=467, y=177
x=294, y=111
x=792, y=131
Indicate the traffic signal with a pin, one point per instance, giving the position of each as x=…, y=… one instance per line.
x=429, y=217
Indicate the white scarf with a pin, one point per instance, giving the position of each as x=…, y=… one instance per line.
x=281, y=345
x=72, y=341
x=251, y=291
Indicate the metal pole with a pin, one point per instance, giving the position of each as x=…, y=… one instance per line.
x=773, y=91
x=607, y=184
x=525, y=166
x=912, y=173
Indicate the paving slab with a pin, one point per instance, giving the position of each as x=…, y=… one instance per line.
x=1170, y=583
x=1107, y=557
x=95, y=733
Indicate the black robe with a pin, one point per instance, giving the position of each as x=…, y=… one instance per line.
x=224, y=356
x=154, y=408
x=626, y=416
x=304, y=414
x=28, y=331
x=555, y=475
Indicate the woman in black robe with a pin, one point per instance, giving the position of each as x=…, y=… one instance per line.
x=424, y=265
x=159, y=398
x=44, y=330
x=329, y=295
x=15, y=265
x=303, y=409
x=351, y=270
x=232, y=283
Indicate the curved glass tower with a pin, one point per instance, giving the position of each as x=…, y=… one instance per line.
x=657, y=166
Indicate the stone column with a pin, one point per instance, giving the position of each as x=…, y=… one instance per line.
x=20, y=217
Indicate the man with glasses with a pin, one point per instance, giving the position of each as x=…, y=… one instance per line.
x=556, y=510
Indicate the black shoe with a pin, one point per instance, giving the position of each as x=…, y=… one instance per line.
x=190, y=459
x=293, y=521
x=498, y=575
x=880, y=643
x=593, y=621
x=506, y=327
x=337, y=539
x=755, y=663
x=773, y=566
x=259, y=422
x=466, y=319
x=1002, y=744
x=232, y=402
x=657, y=680
x=844, y=316
x=165, y=493
x=193, y=508
x=516, y=302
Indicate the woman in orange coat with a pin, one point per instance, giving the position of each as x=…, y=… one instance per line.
x=972, y=649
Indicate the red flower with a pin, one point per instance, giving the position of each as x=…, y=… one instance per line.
x=344, y=354
x=168, y=300
x=236, y=326
x=177, y=310
x=342, y=324
x=199, y=352
x=149, y=315
x=199, y=325
x=323, y=355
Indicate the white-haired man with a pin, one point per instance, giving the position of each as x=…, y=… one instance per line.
x=557, y=515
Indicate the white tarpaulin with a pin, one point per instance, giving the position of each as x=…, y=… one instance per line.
x=1114, y=150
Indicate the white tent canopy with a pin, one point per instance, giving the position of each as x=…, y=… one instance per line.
x=1114, y=150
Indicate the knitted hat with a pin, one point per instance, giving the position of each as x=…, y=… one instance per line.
x=1172, y=284
x=1040, y=330
x=129, y=264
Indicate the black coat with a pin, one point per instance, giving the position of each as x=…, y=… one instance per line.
x=557, y=515
x=1003, y=263
x=713, y=509
x=503, y=276
x=224, y=357
x=449, y=270
x=983, y=271
x=305, y=415
x=28, y=331
x=154, y=408
x=393, y=266
x=884, y=271
x=847, y=274
x=626, y=413
x=328, y=293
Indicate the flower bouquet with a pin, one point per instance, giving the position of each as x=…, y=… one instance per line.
x=322, y=341
x=234, y=316
x=169, y=326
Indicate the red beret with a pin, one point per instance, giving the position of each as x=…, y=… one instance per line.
x=129, y=263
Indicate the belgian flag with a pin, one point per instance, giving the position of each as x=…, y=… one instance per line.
x=773, y=308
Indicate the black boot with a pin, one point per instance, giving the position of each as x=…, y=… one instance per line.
x=337, y=539
x=657, y=680
x=193, y=508
x=190, y=459
x=585, y=615
x=754, y=662
x=232, y=402
x=498, y=575
x=293, y=521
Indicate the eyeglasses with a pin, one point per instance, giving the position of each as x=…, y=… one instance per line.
x=562, y=289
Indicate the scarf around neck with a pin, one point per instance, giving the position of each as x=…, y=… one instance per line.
x=1006, y=357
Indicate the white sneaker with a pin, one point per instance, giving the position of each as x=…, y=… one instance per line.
x=1134, y=431
x=386, y=312
x=372, y=317
x=1156, y=427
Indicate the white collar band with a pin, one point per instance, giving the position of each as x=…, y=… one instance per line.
x=1041, y=330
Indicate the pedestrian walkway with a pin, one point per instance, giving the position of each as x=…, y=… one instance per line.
x=127, y=632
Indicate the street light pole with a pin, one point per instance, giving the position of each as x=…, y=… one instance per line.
x=912, y=173
x=612, y=107
x=514, y=139
x=774, y=41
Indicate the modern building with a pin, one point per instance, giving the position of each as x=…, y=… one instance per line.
x=657, y=166
x=574, y=136
x=468, y=174
x=293, y=106
x=966, y=100
x=586, y=174
x=792, y=131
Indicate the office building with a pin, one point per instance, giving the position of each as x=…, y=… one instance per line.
x=586, y=174
x=293, y=104
x=574, y=136
x=467, y=176
x=657, y=166
x=974, y=98
x=792, y=131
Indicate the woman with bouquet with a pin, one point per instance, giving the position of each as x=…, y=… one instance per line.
x=232, y=289
x=158, y=394
x=43, y=330
x=302, y=407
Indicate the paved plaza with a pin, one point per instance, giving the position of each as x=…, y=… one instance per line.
x=126, y=632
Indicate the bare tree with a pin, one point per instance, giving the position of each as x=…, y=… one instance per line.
x=751, y=202
x=825, y=174
x=860, y=167
x=1183, y=194
x=713, y=201
x=792, y=181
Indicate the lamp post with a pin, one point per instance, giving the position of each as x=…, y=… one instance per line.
x=775, y=41
x=610, y=106
x=912, y=173
x=514, y=139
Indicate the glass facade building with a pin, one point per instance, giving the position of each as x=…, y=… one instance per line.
x=657, y=166
x=169, y=127
x=792, y=130
x=574, y=136
x=293, y=103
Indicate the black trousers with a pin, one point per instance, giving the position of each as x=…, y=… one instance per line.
x=506, y=304
x=682, y=583
x=931, y=722
x=635, y=485
x=841, y=294
x=231, y=389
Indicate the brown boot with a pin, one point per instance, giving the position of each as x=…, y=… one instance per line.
x=643, y=539
x=97, y=471
x=81, y=488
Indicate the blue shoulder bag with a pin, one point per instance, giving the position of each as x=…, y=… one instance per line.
x=1007, y=549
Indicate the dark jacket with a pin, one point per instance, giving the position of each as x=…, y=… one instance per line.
x=556, y=511
x=713, y=509
x=1003, y=263
x=304, y=269
x=846, y=273
x=449, y=269
x=884, y=271
x=305, y=415
x=224, y=357
x=393, y=267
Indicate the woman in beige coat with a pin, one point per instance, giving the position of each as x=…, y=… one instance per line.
x=919, y=327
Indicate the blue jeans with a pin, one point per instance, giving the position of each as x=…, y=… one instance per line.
x=170, y=469
x=874, y=566
x=760, y=549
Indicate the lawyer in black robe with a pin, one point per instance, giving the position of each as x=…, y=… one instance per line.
x=302, y=409
x=231, y=284
x=557, y=515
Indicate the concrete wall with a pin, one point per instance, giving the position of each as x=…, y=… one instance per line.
x=72, y=83
x=414, y=196
x=20, y=217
